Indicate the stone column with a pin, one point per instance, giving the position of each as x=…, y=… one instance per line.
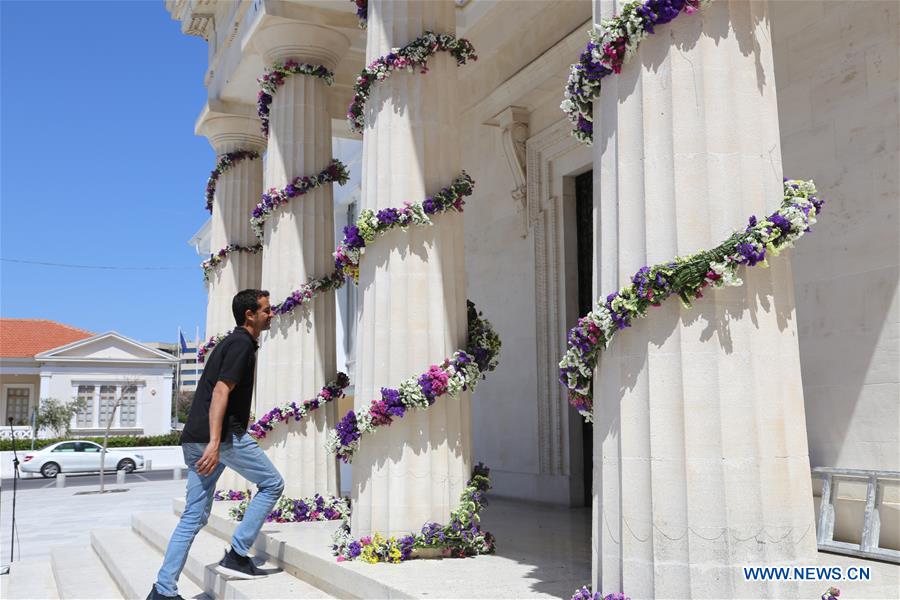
x=701, y=463
x=412, y=292
x=231, y=127
x=297, y=356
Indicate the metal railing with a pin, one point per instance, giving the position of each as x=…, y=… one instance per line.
x=871, y=531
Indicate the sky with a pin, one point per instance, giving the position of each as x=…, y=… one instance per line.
x=99, y=166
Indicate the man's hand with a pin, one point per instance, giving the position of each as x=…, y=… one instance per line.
x=207, y=463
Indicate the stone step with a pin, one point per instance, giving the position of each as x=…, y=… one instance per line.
x=29, y=579
x=133, y=563
x=80, y=573
x=205, y=554
x=303, y=550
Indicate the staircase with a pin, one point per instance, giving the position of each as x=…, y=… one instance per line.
x=123, y=562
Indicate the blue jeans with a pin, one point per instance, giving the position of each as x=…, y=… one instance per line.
x=243, y=455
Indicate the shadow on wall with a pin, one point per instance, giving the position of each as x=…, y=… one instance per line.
x=836, y=70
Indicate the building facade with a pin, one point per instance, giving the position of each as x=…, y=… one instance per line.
x=804, y=356
x=47, y=360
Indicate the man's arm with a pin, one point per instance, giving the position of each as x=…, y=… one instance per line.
x=217, y=405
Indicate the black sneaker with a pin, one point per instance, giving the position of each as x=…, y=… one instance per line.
x=235, y=565
x=154, y=595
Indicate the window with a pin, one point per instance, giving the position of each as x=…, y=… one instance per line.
x=87, y=447
x=128, y=409
x=85, y=416
x=65, y=447
x=107, y=402
x=18, y=404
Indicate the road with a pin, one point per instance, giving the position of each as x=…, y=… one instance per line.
x=87, y=479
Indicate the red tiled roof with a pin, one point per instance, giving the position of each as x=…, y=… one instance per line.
x=23, y=338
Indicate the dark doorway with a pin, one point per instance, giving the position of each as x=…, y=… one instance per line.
x=584, y=229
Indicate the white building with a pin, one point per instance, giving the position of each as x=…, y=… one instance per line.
x=707, y=421
x=47, y=360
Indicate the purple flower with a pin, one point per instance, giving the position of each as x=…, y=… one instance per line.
x=352, y=239
x=751, y=254
x=388, y=216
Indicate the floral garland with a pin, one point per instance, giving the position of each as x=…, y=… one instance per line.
x=371, y=224
x=459, y=372
x=584, y=593
x=283, y=414
x=462, y=537
x=300, y=510
x=232, y=495
x=274, y=77
x=211, y=343
x=219, y=257
x=412, y=56
x=362, y=12
x=335, y=171
x=224, y=162
x=685, y=276
x=306, y=292
x=609, y=49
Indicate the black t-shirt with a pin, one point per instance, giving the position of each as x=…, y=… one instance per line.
x=234, y=361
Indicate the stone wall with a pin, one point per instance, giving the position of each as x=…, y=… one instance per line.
x=836, y=70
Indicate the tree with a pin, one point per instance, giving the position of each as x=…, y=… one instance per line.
x=128, y=386
x=183, y=403
x=57, y=416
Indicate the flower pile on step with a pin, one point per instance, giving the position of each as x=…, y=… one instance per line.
x=275, y=76
x=224, y=162
x=685, y=277
x=410, y=57
x=293, y=411
x=300, y=510
x=609, y=49
x=336, y=171
x=459, y=372
x=584, y=593
x=217, y=258
x=462, y=537
x=374, y=223
x=232, y=495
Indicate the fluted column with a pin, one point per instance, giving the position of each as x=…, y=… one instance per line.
x=230, y=128
x=297, y=356
x=701, y=462
x=237, y=191
x=412, y=284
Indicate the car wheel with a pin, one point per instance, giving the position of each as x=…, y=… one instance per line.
x=50, y=470
x=126, y=464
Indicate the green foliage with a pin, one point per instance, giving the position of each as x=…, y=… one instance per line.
x=121, y=441
x=57, y=416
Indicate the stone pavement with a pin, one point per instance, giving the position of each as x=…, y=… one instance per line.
x=49, y=516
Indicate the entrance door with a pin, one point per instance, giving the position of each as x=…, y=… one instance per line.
x=584, y=229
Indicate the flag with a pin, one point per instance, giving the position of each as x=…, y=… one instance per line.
x=184, y=347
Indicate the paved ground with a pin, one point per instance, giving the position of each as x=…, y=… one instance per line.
x=88, y=479
x=45, y=517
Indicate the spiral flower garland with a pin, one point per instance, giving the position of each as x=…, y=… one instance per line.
x=274, y=77
x=224, y=162
x=336, y=171
x=459, y=372
x=217, y=258
x=609, y=49
x=371, y=224
x=412, y=56
x=686, y=277
x=462, y=537
x=332, y=391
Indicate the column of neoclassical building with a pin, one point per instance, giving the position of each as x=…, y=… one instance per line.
x=230, y=128
x=412, y=293
x=297, y=356
x=700, y=462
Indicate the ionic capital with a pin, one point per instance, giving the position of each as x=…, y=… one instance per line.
x=304, y=42
x=230, y=126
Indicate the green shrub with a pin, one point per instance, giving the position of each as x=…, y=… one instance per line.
x=121, y=441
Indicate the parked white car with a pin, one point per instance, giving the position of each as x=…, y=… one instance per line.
x=79, y=457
